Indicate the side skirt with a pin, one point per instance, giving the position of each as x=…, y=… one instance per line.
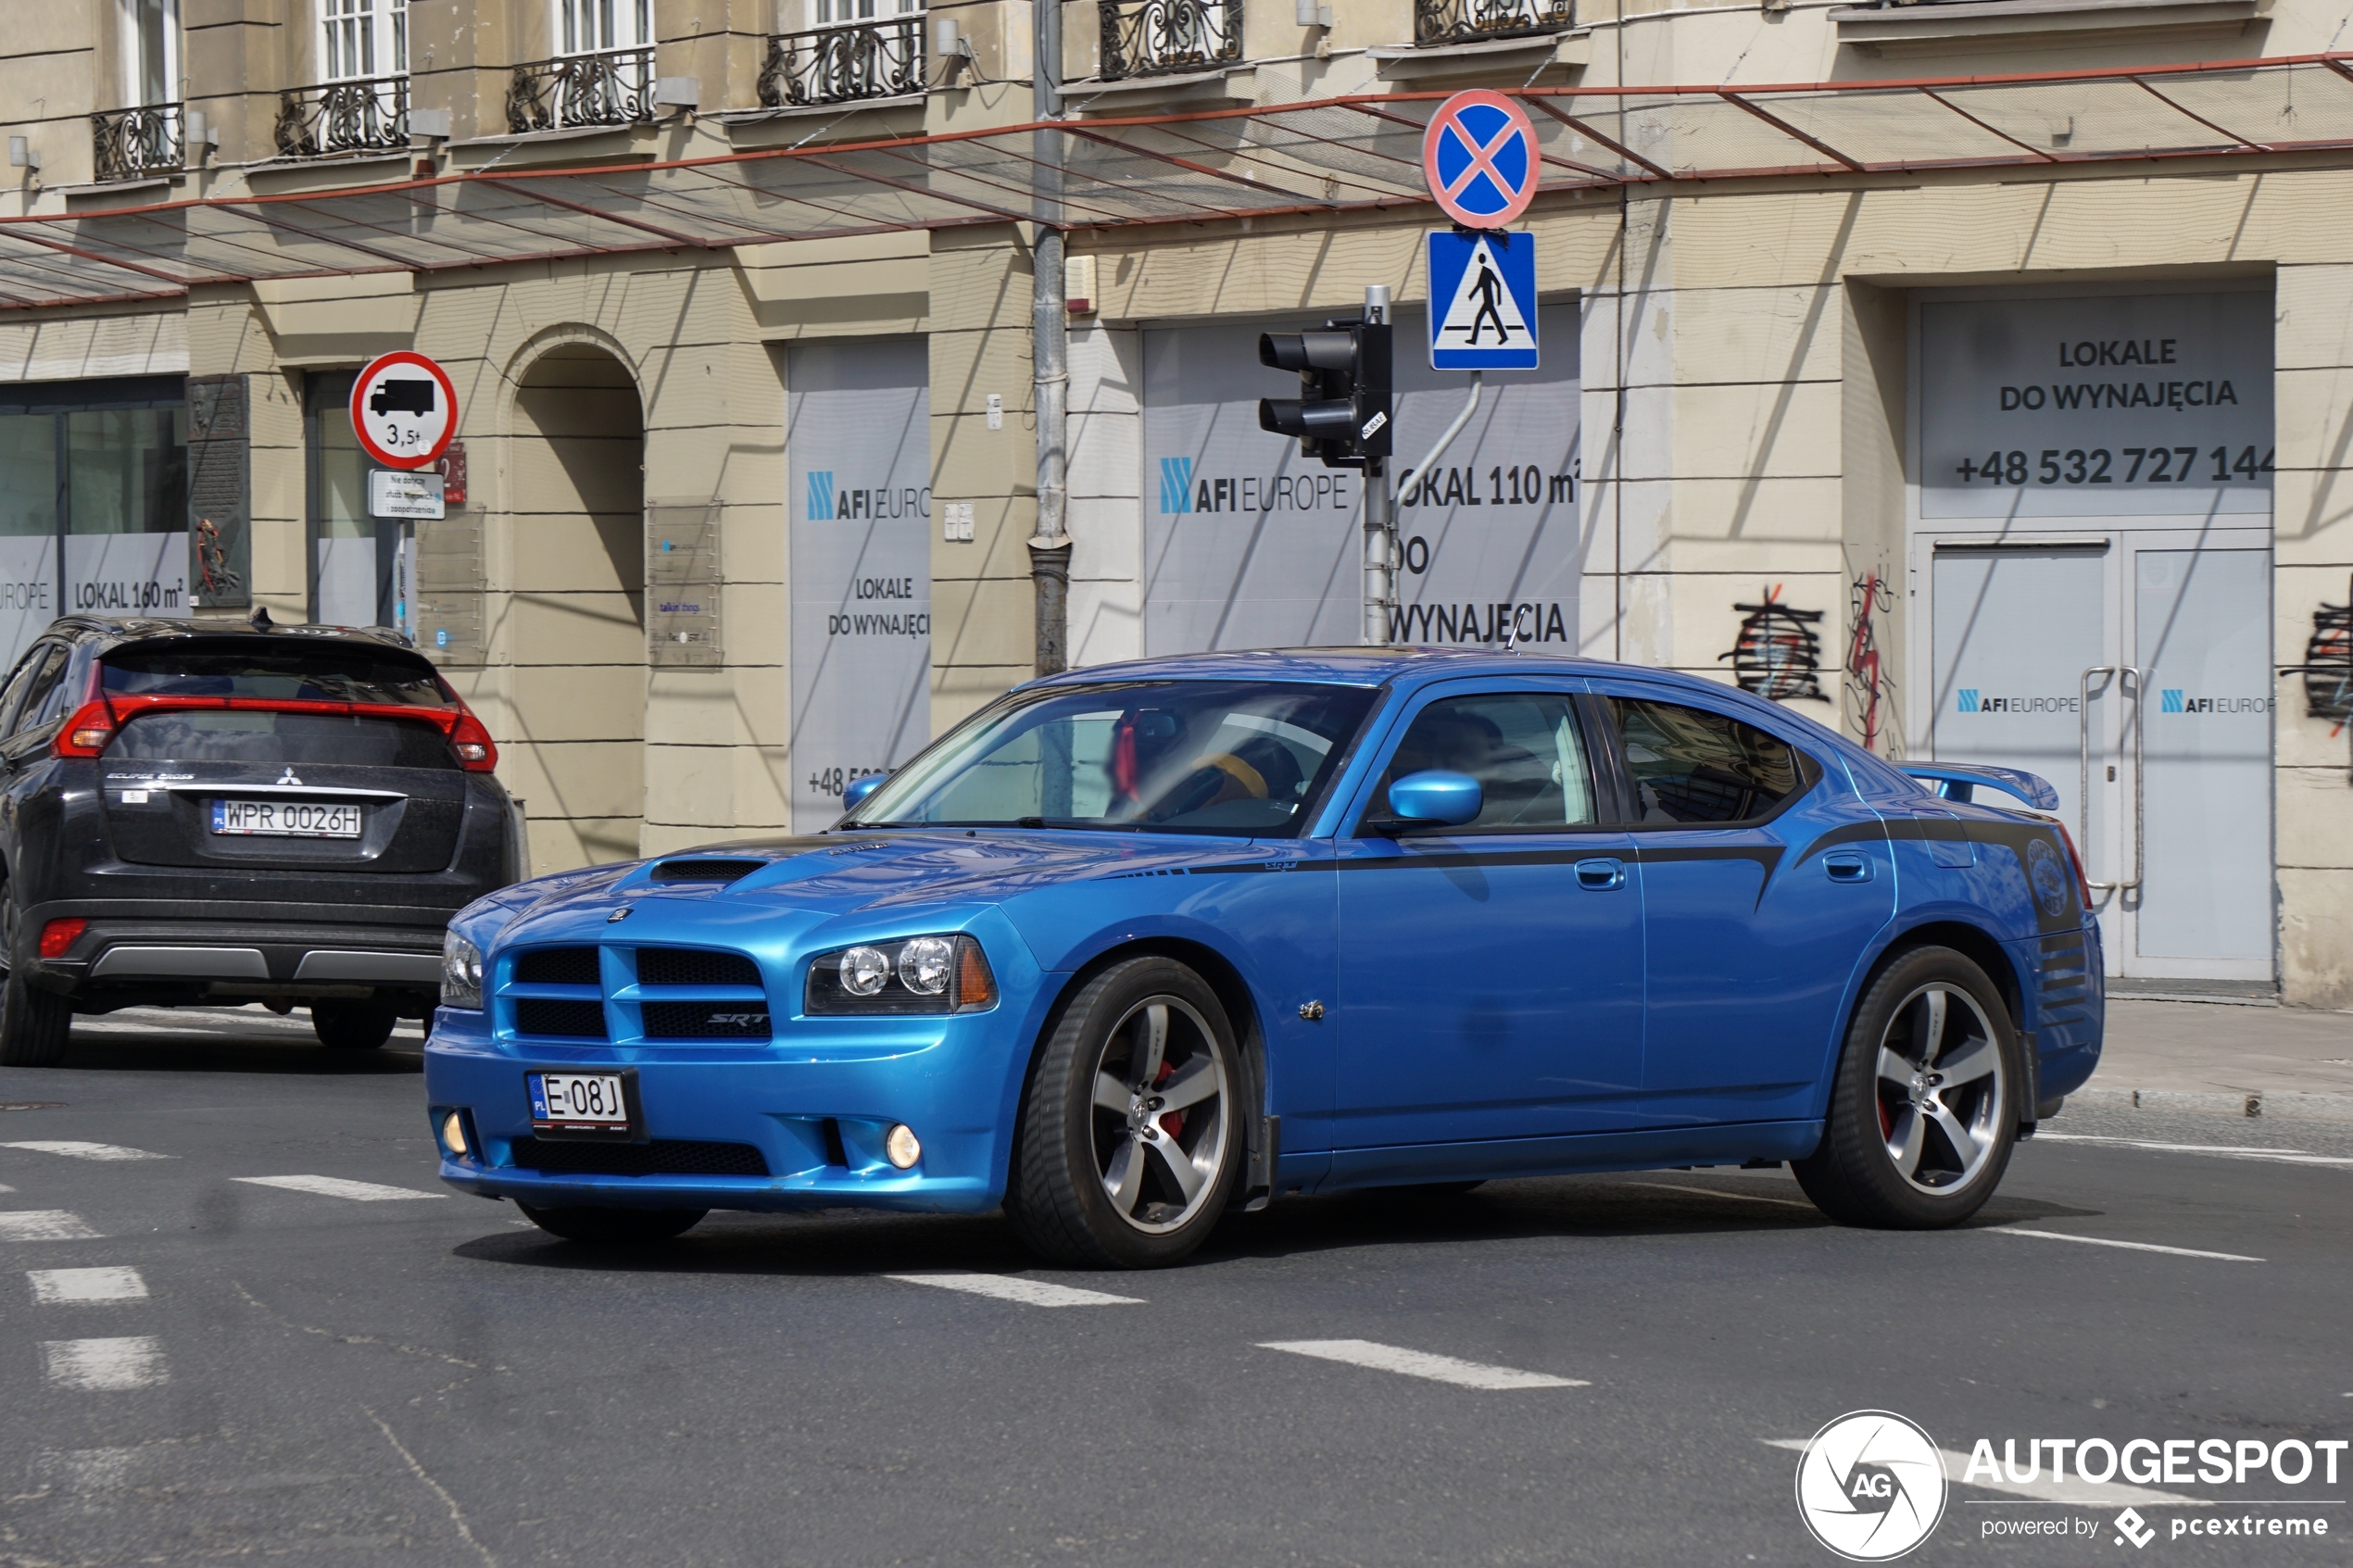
x=1497, y=1159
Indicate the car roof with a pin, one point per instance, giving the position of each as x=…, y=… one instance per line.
x=117, y=631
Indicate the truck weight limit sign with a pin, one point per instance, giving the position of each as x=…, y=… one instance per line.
x=404, y=410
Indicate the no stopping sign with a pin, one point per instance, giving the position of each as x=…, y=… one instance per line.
x=404, y=410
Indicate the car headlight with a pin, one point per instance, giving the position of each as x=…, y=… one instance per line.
x=460, y=973
x=914, y=975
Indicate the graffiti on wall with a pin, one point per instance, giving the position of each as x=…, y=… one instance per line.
x=2328, y=664
x=1777, y=654
x=1870, y=694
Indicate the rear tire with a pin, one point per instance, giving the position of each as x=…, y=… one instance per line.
x=614, y=1226
x=1924, y=1111
x=1131, y=1138
x=35, y=1025
x=353, y=1026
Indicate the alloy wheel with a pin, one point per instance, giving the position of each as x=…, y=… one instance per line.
x=1159, y=1125
x=1942, y=1087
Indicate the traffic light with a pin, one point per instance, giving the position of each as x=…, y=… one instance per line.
x=1341, y=414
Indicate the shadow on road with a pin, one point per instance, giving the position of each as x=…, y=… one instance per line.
x=845, y=1242
x=266, y=1047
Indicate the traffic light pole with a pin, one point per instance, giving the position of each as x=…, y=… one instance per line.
x=1380, y=527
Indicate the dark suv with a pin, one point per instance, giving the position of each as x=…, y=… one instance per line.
x=195, y=811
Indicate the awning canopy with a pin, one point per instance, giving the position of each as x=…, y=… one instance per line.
x=1331, y=156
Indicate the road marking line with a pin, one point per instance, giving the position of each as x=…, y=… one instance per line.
x=76, y=1150
x=1029, y=1292
x=44, y=1224
x=1421, y=1363
x=2234, y=1151
x=1713, y=1192
x=101, y=1366
x=2134, y=1246
x=336, y=1187
x=51, y=1285
x=2090, y=1494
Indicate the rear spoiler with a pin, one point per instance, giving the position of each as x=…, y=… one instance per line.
x=1958, y=781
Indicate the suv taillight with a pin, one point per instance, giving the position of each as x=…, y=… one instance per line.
x=86, y=734
x=476, y=752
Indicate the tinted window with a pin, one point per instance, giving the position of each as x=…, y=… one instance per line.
x=286, y=671
x=1180, y=755
x=20, y=685
x=1693, y=765
x=246, y=735
x=43, y=686
x=1523, y=747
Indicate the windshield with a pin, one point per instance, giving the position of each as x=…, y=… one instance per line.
x=1230, y=756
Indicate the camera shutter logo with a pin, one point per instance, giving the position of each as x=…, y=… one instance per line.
x=1870, y=1486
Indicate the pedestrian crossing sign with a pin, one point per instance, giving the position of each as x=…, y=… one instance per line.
x=1482, y=300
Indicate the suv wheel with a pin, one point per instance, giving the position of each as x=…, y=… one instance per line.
x=353, y=1026
x=1130, y=1143
x=1922, y=1112
x=35, y=1025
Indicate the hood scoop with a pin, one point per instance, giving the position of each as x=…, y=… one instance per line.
x=708, y=872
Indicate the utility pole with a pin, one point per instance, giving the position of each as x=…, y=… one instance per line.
x=1050, y=358
x=1380, y=527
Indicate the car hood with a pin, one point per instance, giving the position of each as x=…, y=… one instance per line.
x=839, y=875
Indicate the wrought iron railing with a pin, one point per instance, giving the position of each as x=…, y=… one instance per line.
x=843, y=64
x=613, y=87
x=1467, y=21
x=344, y=117
x=126, y=144
x=1157, y=37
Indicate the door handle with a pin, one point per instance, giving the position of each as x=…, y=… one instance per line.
x=2123, y=672
x=1599, y=876
x=1847, y=868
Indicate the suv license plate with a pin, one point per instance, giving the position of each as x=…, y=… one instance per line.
x=579, y=1102
x=285, y=819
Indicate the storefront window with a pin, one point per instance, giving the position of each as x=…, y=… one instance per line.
x=127, y=471
x=350, y=567
x=28, y=476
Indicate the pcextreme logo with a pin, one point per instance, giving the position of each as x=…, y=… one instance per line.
x=1870, y=1486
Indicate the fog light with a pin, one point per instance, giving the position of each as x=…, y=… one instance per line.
x=453, y=1135
x=901, y=1145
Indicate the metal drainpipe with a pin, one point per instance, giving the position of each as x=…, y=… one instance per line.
x=1050, y=361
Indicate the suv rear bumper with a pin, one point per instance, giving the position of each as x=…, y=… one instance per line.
x=244, y=956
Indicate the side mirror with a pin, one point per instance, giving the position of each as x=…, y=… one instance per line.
x=855, y=795
x=1435, y=797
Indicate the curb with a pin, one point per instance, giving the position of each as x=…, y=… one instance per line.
x=2283, y=1105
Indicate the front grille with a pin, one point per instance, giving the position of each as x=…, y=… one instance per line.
x=705, y=871
x=564, y=1019
x=693, y=966
x=707, y=1020
x=668, y=1157
x=556, y=966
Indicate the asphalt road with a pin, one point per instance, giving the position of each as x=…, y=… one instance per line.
x=393, y=1374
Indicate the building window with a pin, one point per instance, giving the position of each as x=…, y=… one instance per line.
x=831, y=13
x=363, y=38
x=589, y=27
x=151, y=54
x=351, y=552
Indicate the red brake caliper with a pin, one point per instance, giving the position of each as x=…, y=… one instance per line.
x=1174, y=1123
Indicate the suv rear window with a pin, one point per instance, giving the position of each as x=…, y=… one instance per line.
x=283, y=672
x=218, y=735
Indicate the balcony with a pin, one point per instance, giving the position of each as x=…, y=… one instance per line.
x=132, y=144
x=344, y=117
x=1475, y=22
x=844, y=63
x=614, y=87
x=1145, y=38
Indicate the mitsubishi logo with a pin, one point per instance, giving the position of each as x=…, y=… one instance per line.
x=288, y=777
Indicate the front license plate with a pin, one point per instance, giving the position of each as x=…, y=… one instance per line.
x=580, y=1102
x=285, y=819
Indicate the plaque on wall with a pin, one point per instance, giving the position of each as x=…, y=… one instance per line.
x=683, y=582
x=220, y=492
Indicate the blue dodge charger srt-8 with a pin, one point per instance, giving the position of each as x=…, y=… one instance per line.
x=1145, y=942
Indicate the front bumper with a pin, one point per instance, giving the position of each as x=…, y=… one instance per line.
x=949, y=1078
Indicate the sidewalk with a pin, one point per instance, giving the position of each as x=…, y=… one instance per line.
x=2215, y=1057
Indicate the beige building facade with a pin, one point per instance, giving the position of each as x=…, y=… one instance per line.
x=1948, y=423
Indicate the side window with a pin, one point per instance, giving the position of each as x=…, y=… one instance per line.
x=45, y=676
x=1524, y=749
x=1693, y=765
x=20, y=683
x=64, y=690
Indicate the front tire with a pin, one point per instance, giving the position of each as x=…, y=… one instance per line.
x=1924, y=1111
x=614, y=1226
x=1131, y=1138
x=353, y=1026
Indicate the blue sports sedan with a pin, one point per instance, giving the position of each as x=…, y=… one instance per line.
x=1143, y=944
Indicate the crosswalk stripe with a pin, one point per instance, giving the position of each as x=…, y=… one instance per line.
x=1421, y=1363
x=57, y=1286
x=102, y=1366
x=76, y=1150
x=336, y=1187
x=1029, y=1292
x=44, y=1224
x=2090, y=1494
